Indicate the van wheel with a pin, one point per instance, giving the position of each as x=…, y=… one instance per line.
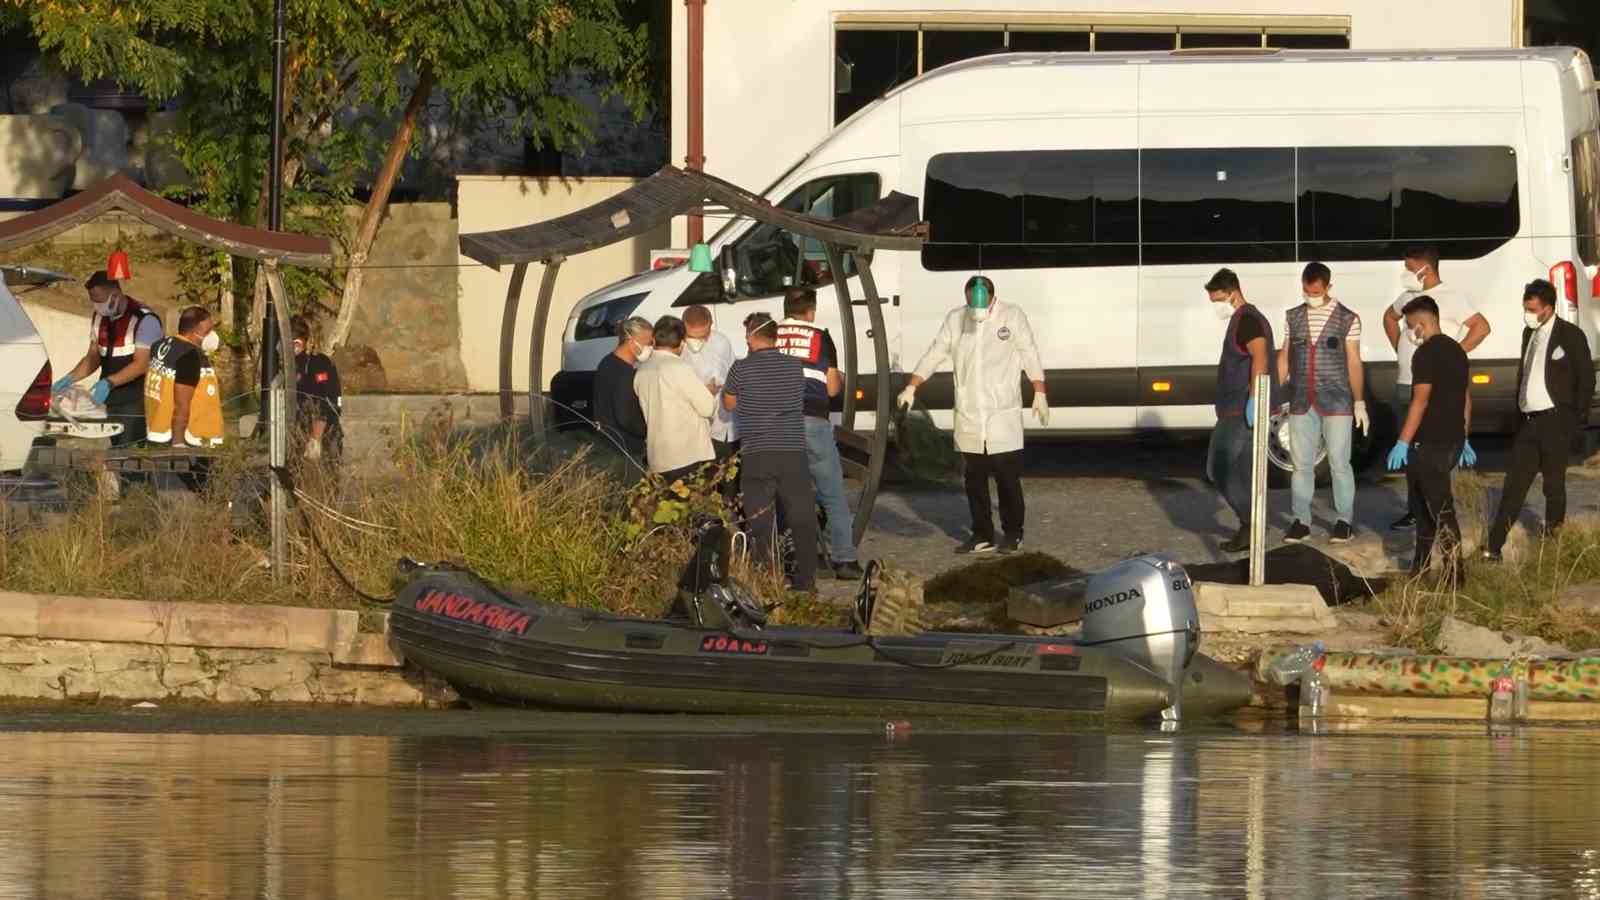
x=1366, y=450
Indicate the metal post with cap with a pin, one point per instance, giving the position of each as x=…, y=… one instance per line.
x=274, y=375
x=1259, y=473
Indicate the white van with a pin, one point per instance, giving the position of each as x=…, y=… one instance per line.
x=1101, y=191
x=25, y=385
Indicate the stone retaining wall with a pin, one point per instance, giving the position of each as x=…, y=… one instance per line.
x=86, y=648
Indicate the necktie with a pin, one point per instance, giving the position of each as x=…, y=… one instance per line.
x=1527, y=368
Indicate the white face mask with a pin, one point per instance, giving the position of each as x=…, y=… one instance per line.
x=1223, y=310
x=696, y=344
x=642, y=352
x=110, y=309
x=1315, y=302
x=1415, y=336
x=1411, y=281
x=1531, y=319
x=211, y=342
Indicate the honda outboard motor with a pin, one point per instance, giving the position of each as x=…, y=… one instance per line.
x=1143, y=609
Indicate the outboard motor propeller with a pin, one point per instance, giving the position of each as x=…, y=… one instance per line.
x=1143, y=609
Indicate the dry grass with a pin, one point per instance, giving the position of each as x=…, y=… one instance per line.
x=560, y=533
x=1520, y=595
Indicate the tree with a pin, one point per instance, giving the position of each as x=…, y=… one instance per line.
x=494, y=60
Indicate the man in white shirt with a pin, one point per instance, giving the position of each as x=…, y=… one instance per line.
x=677, y=406
x=711, y=354
x=1459, y=320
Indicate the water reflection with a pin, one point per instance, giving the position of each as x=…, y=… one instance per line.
x=651, y=814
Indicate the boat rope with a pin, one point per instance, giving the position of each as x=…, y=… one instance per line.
x=287, y=480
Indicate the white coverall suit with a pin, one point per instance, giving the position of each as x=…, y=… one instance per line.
x=988, y=359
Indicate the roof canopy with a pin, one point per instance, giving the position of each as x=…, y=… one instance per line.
x=891, y=224
x=120, y=192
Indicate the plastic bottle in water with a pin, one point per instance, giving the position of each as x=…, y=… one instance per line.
x=1502, y=698
x=1316, y=698
x=1521, y=699
x=1294, y=665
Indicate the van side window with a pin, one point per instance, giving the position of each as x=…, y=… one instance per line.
x=1217, y=206
x=1370, y=202
x=1586, y=195
x=1032, y=209
x=770, y=259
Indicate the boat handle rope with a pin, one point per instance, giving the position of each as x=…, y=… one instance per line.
x=287, y=480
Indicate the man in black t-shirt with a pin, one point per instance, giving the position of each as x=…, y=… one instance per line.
x=1247, y=353
x=1434, y=434
x=615, y=406
x=320, y=397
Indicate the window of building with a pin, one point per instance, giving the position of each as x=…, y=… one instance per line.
x=1032, y=209
x=868, y=64
x=1371, y=202
x=769, y=259
x=1307, y=41
x=1194, y=40
x=1216, y=206
x=1049, y=41
x=1586, y=195
x=941, y=48
x=1135, y=41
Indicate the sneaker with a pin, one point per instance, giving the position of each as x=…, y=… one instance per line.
x=1009, y=544
x=1239, y=543
x=975, y=545
x=1341, y=533
x=1297, y=533
x=848, y=571
x=1492, y=556
x=1404, y=523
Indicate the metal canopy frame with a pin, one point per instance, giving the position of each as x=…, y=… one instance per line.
x=891, y=224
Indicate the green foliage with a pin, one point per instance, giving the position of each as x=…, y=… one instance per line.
x=991, y=581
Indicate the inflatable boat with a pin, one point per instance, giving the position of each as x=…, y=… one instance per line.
x=1135, y=659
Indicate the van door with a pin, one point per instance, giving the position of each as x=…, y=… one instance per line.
x=1047, y=208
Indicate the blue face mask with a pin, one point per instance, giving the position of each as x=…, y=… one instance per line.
x=978, y=298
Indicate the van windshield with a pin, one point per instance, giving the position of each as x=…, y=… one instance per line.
x=1586, y=195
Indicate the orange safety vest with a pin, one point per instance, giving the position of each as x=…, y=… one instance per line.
x=160, y=396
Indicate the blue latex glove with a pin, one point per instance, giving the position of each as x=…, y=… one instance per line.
x=62, y=385
x=1250, y=411
x=1469, y=457
x=1397, y=456
x=100, y=391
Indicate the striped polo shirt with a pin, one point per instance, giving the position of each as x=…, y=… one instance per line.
x=770, y=386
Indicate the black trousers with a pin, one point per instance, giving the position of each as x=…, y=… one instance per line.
x=1540, y=448
x=1433, y=502
x=1007, y=471
x=774, y=479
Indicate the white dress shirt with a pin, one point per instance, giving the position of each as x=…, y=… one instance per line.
x=677, y=412
x=1535, y=390
x=712, y=364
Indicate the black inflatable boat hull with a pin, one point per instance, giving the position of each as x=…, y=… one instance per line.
x=518, y=650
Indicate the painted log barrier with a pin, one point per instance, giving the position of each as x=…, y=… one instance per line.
x=1563, y=680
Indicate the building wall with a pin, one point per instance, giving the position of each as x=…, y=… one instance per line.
x=769, y=63
x=487, y=203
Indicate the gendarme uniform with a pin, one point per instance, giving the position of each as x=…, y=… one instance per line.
x=175, y=361
x=116, y=339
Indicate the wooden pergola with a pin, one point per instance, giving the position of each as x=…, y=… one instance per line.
x=891, y=224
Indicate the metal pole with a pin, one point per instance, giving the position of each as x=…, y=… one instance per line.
x=272, y=375
x=847, y=329
x=541, y=323
x=508, y=336
x=1258, y=480
x=696, y=157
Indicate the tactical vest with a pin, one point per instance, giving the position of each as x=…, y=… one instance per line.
x=1233, y=369
x=114, y=338
x=1319, y=370
x=160, y=396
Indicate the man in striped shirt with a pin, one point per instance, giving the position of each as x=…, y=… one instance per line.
x=766, y=390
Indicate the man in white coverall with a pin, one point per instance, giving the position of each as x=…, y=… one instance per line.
x=990, y=345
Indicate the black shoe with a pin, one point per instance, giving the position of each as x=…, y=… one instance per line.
x=1009, y=544
x=1297, y=533
x=975, y=545
x=1492, y=556
x=1341, y=533
x=1404, y=523
x=848, y=571
x=1239, y=543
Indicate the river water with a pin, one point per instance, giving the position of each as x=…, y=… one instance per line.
x=202, y=803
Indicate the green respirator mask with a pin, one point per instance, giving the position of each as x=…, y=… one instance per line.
x=978, y=297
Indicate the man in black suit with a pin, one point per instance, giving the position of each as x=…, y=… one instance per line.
x=1554, y=386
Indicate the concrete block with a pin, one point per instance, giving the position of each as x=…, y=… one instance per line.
x=180, y=655
x=271, y=676
x=294, y=693
x=1270, y=625
x=318, y=630
x=19, y=614
x=18, y=653
x=370, y=650
x=346, y=625
x=228, y=692
x=1266, y=601
x=1046, y=604
x=340, y=686
x=214, y=625
x=102, y=619
x=117, y=657
x=1211, y=598
x=133, y=684
x=26, y=686
x=177, y=676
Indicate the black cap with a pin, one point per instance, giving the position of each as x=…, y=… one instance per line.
x=101, y=279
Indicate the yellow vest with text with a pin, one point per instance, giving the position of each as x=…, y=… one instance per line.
x=160, y=396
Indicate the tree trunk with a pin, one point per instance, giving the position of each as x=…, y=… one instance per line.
x=372, y=214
